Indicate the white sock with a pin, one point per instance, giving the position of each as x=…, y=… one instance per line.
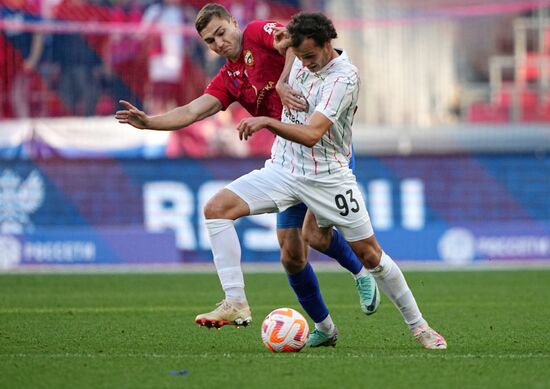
x=392, y=282
x=235, y=294
x=326, y=326
x=227, y=257
x=363, y=272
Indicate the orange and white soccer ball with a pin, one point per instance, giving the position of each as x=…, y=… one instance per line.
x=285, y=330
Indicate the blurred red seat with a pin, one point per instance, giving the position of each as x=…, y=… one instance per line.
x=533, y=63
x=487, y=113
x=529, y=98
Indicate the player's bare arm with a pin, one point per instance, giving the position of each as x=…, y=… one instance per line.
x=289, y=97
x=306, y=134
x=180, y=117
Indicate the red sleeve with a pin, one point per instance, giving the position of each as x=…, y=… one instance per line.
x=261, y=31
x=218, y=89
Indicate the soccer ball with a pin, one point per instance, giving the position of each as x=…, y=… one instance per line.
x=285, y=330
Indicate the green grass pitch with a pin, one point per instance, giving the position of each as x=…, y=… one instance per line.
x=137, y=331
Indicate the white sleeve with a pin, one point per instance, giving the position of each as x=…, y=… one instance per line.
x=337, y=94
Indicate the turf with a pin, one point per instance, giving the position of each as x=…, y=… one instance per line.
x=137, y=331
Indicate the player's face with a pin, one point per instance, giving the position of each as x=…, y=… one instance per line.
x=312, y=56
x=223, y=37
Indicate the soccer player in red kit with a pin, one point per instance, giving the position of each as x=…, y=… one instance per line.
x=255, y=62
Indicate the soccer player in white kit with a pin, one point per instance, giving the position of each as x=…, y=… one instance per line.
x=309, y=164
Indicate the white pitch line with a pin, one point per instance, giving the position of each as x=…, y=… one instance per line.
x=73, y=310
x=426, y=355
x=126, y=309
x=320, y=266
x=95, y=310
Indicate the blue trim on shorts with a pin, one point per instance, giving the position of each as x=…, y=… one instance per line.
x=292, y=217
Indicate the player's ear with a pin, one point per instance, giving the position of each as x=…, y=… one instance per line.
x=327, y=47
x=233, y=21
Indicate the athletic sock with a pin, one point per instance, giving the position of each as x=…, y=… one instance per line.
x=340, y=250
x=226, y=250
x=326, y=326
x=235, y=294
x=392, y=282
x=362, y=273
x=306, y=287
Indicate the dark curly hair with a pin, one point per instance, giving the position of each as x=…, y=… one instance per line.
x=312, y=25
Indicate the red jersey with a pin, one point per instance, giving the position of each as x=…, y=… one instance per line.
x=252, y=78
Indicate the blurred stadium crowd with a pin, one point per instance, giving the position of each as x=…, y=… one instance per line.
x=69, y=68
x=423, y=63
x=77, y=58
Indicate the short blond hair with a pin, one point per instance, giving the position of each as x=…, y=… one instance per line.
x=208, y=12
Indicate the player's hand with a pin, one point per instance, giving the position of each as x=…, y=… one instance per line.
x=290, y=98
x=247, y=127
x=133, y=116
x=281, y=36
x=281, y=39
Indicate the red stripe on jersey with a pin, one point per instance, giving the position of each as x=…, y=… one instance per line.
x=330, y=96
x=336, y=158
x=309, y=91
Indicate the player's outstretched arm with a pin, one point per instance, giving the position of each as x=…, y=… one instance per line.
x=306, y=134
x=180, y=117
x=132, y=116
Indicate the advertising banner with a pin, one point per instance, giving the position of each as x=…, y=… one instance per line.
x=446, y=209
x=84, y=246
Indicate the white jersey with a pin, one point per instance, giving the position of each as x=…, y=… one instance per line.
x=333, y=91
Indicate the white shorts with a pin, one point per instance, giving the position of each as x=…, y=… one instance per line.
x=335, y=201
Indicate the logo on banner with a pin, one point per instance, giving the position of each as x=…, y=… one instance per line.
x=19, y=198
x=460, y=246
x=457, y=246
x=10, y=252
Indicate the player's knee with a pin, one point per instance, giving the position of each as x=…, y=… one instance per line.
x=292, y=260
x=371, y=254
x=225, y=205
x=293, y=266
x=215, y=208
x=317, y=238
